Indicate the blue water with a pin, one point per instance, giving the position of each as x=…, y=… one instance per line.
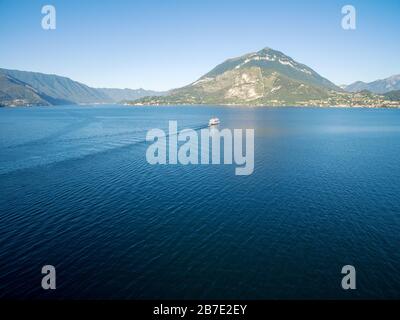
x=77, y=193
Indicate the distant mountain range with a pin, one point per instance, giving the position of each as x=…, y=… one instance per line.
x=32, y=88
x=267, y=77
x=379, y=86
x=119, y=95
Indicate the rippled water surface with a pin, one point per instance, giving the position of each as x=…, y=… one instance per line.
x=77, y=193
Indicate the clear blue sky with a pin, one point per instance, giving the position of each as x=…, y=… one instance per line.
x=162, y=44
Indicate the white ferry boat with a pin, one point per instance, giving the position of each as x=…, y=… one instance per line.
x=213, y=122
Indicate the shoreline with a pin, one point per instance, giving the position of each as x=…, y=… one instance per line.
x=205, y=105
x=263, y=106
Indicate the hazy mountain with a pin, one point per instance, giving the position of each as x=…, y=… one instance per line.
x=379, y=86
x=356, y=86
x=33, y=88
x=61, y=89
x=267, y=76
x=118, y=95
x=15, y=92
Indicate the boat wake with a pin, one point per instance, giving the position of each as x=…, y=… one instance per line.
x=54, y=149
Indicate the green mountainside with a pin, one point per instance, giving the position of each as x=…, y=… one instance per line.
x=15, y=92
x=23, y=88
x=60, y=90
x=393, y=95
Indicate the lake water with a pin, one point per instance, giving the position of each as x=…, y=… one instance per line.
x=78, y=193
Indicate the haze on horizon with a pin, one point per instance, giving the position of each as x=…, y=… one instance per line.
x=161, y=45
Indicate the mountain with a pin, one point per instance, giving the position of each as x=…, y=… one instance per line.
x=59, y=90
x=379, y=86
x=393, y=95
x=118, y=95
x=267, y=77
x=263, y=77
x=15, y=92
x=33, y=88
x=356, y=86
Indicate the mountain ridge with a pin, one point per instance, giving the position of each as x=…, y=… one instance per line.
x=266, y=77
x=18, y=92
x=380, y=86
x=58, y=88
x=26, y=88
x=119, y=95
